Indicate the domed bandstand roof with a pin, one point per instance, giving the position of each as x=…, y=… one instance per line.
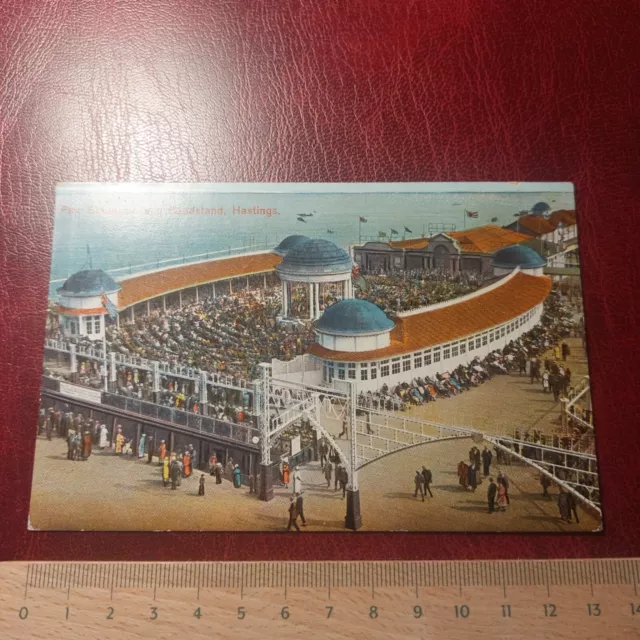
x=517, y=255
x=289, y=243
x=354, y=316
x=90, y=282
x=315, y=257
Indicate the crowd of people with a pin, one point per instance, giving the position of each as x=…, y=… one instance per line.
x=83, y=435
x=411, y=289
x=517, y=355
x=231, y=334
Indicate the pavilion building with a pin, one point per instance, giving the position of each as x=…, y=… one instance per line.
x=315, y=264
x=80, y=307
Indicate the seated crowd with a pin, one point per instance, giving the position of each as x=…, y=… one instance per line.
x=411, y=289
x=230, y=334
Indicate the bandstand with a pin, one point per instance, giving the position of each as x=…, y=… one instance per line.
x=315, y=263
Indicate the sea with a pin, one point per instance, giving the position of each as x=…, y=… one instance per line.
x=130, y=230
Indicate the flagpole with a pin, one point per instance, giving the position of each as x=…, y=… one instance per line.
x=359, y=229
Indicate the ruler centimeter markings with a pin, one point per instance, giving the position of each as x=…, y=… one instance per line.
x=516, y=599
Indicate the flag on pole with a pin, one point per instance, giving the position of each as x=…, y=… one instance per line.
x=109, y=307
x=394, y=232
x=363, y=219
x=407, y=230
x=471, y=214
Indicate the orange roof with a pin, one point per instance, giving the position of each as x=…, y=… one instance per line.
x=485, y=239
x=146, y=286
x=68, y=311
x=537, y=224
x=514, y=297
x=566, y=216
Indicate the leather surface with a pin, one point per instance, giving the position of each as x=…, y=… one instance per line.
x=365, y=90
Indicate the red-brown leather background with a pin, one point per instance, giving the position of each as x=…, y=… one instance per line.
x=353, y=90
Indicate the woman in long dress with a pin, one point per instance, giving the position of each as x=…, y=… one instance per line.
x=104, y=443
x=237, y=477
x=165, y=471
x=502, y=496
x=119, y=442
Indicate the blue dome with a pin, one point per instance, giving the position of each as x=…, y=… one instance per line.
x=288, y=243
x=89, y=282
x=313, y=257
x=516, y=255
x=354, y=316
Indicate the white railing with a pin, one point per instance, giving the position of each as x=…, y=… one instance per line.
x=165, y=368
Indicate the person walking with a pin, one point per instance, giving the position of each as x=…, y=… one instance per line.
x=504, y=480
x=218, y=472
x=237, y=477
x=174, y=470
x=103, y=442
x=297, y=481
x=487, y=456
x=322, y=450
x=150, y=450
x=564, y=507
x=573, y=507
x=285, y=475
x=141, y=445
x=186, y=461
x=545, y=382
x=163, y=451
x=491, y=495
x=502, y=495
x=336, y=481
x=293, y=515
x=419, y=482
x=201, y=485
x=344, y=429
x=344, y=479
x=300, y=508
x=545, y=483
x=428, y=479
x=119, y=441
x=472, y=477
x=328, y=468
x=165, y=471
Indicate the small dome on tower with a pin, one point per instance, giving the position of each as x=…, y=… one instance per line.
x=540, y=209
x=289, y=243
x=354, y=316
x=90, y=282
x=517, y=255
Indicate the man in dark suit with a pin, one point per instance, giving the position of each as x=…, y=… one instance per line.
x=300, y=508
x=428, y=479
x=293, y=516
x=491, y=494
x=419, y=480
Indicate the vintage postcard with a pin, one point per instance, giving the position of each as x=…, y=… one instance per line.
x=316, y=357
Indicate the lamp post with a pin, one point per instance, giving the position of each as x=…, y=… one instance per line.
x=353, y=520
x=262, y=388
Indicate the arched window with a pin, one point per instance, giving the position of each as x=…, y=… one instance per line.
x=441, y=257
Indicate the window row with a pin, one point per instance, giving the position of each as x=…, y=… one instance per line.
x=419, y=359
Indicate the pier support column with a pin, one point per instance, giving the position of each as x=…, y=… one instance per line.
x=73, y=362
x=204, y=396
x=155, y=372
x=266, y=486
x=353, y=520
